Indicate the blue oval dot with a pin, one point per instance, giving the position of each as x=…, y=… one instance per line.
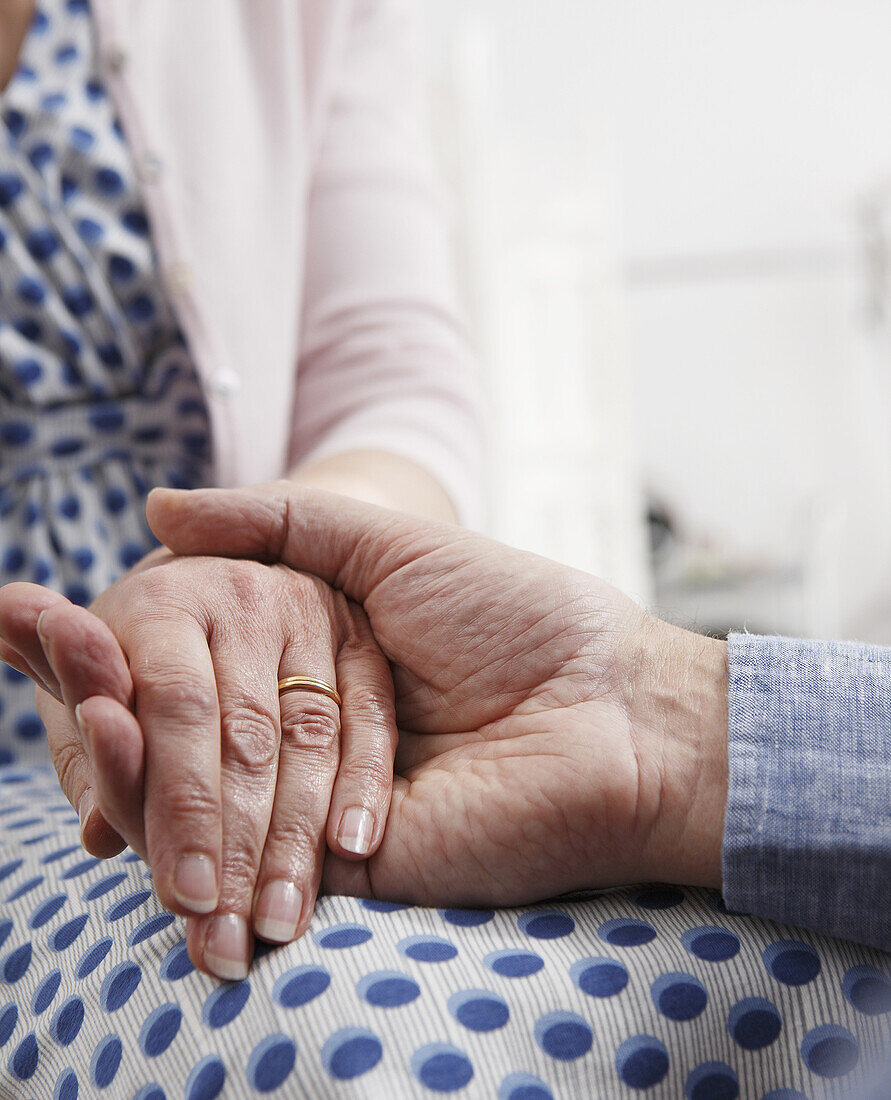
x=479, y=1009
x=67, y=1087
x=46, y=991
x=66, y=1023
x=792, y=962
x=351, y=1052
x=127, y=904
x=206, y=1079
x=176, y=964
x=47, y=910
x=514, y=964
x=119, y=985
x=388, y=989
x=642, y=1061
x=300, y=985
x=23, y=1063
x=679, y=996
x=16, y=963
x=104, y=885
x=659, y=897
x=598, y=976
x=160, y=1029
x=430, y=949
x=340, y=936
x=150, y=927
x=9, y=1016
x=270, y=1062
x=65, y=936
x=225, y=1003
x=711, y=943
x=523, y=1086
x=712, y=1081
x=93, y=956
x=754, y=1023
x=829, y=1050
x=563, y=1035
x=441, y=1067
x=549, y=925
x=467, y=918
x=106, y=1061
x=626, y=932
x=868, y=990
x=80, y=868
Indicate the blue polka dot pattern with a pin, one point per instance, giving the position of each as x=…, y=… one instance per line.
x=514, y=964
x=442, y=1068
x=351, y=1052
x=642, y=1061
x=754, y=1023
x=679, y=996
x=868, y=990
x=388, y=989
x=711, y=943
x=479, y=1010
x=104, y=991
x=626, y=932
x=92, y=357
x=548, y=925
x=712, y=1081
x=523, y=1086
x=792, y=962
x=563, y=1035
x=599, y=976
x=830, y=1050
x=428, y=949
x=271, y=1062
x=225, y=1003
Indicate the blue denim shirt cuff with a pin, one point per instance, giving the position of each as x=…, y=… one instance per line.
x=807, y=836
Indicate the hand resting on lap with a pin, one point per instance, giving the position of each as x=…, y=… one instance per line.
x=182, y=748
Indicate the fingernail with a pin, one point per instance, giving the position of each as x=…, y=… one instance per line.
x=37, y=628
x=226, y=947
x=278, y=911
x=355, y=830
x=195, y=883
x=84, y=808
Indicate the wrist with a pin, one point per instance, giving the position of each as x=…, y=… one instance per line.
x=678, y=707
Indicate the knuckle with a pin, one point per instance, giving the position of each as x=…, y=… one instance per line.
x=240, y=864
x=314, y=730
x=249, y=738
x=248, y=581
x=174, y=690
x=67, y=760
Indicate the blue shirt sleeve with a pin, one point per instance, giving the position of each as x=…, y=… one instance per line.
x=807, y=837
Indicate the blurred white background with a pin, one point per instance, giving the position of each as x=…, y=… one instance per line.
x=675, y=226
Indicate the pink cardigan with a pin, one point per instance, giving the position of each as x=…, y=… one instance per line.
x=299, y=227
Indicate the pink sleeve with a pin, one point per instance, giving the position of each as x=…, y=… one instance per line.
x=384, y=363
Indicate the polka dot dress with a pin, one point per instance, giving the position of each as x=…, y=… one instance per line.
x=649, y=991
x=99, y=400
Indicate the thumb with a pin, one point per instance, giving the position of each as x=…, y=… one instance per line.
x=352, y=545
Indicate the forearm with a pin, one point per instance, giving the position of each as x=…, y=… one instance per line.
x=379, y=478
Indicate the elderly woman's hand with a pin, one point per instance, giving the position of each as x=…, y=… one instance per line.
x=182, y=743
x=553, y=736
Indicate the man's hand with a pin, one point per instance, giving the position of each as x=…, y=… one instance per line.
x=167, y=726
x=553, y=736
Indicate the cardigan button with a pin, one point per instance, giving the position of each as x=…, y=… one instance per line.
x=149, y=167
x=224, y=383
x=115, y=58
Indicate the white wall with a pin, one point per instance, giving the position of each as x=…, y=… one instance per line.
x=729, y=148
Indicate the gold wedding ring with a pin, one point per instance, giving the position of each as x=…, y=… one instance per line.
x=308, y=683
